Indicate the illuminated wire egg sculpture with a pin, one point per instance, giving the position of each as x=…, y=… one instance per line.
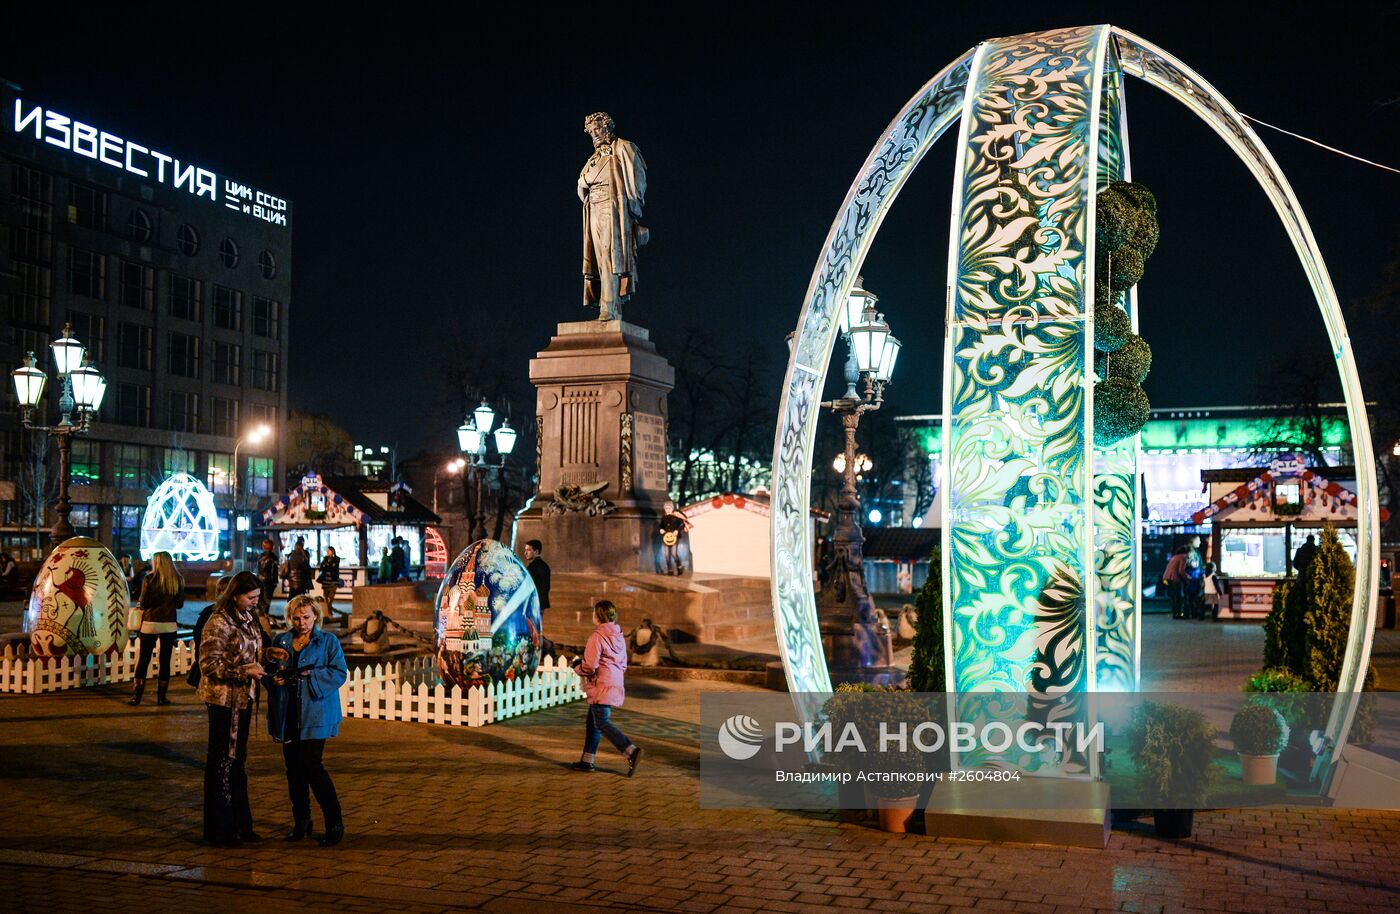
x=180, y=519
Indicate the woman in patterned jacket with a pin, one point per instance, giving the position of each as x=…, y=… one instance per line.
x=230, y=669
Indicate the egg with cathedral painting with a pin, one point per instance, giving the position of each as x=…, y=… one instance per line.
x=78, y=603
x=487, y=618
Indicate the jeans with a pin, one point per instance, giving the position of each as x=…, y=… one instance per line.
x=226, y=810
x=307, y=775
x=148, y=643
x=598, y=724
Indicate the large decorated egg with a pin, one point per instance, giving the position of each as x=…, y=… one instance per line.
x=78, y=603
x=488, y=618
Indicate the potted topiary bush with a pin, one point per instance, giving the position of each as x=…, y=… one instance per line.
x=1172, y=748
x=894, y=800
x=1260, y=734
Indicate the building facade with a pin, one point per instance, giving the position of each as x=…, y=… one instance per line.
x=178, y=280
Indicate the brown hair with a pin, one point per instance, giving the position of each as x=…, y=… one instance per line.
x=604, y=611
x=237, y=586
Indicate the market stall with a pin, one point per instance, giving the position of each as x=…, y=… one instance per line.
x=1260, y=518
x=358, y=516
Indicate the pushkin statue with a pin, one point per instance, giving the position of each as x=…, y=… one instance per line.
x=612, y=186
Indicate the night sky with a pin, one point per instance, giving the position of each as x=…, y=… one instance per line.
x=431, y=170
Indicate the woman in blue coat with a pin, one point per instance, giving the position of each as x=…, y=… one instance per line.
x=303, y=711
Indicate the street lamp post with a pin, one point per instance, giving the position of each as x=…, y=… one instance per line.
x=472, y=436
x=850, y=632
x=254, y=436
x=81, y=397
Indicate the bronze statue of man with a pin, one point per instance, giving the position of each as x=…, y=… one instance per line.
x=612, y=186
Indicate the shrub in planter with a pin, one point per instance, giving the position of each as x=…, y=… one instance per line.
x=1172, y=749
x=1260, y=734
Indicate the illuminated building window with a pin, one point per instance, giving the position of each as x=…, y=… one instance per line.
x=225, y=416
x=184, y=356
x=265, y=370
x=268, y=264
x=177, y=460
x=92, y=330
x=87, y=206
x=221, y=473
x=184, y=411
x=133, y=404
x=186, y=297
x=260, y=476
x=267, y=317
x=138, y=225
x=130, y=465
x=84, y=518
x=134, y=346
x=227, y=366
x=126, y=529
x=137, y=287
x=87, y=463
x=228, y=308
x=187, y=239
x=87, y=273
x=228, y=252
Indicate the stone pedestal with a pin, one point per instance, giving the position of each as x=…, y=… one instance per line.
x=600, y=418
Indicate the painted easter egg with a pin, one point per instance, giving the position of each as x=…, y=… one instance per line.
x=488, y=618
x=78, y=603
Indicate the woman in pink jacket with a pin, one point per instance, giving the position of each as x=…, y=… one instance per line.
x=601, y=669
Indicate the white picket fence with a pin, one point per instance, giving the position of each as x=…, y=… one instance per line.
x=400, y=691
x=23, y=672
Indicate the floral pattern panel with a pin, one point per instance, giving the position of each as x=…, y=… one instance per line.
x=1018, y=371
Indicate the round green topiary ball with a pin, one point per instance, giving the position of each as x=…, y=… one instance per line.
x=1138, y=195
x=1121, y=409
x=1115, y=218
x=1132, y=362
x=1127, y=267
x=1112, y=328
x=1145, y=233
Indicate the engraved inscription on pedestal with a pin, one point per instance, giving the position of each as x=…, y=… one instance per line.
x=650, y=447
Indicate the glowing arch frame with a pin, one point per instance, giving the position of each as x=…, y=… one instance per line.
x=893, y=159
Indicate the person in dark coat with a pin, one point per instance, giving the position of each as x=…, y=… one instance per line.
x=303, y=711
x=328, y=576
x=298, y=570
x=267, y=574
x=1304, y=556
x=398, y=561
x=539, y=571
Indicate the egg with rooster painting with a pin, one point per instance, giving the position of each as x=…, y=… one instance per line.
x=79, y=602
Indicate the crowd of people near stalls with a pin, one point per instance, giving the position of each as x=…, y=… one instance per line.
x=1194, y=587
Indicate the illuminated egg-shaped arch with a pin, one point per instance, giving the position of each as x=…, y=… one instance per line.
x=1042, y=127
x=434, y=553
x=180, y=519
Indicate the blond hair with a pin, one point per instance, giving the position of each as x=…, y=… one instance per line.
x=299, y=603
x=166, y=579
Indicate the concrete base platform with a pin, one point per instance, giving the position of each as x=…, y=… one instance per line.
x=1035, y=811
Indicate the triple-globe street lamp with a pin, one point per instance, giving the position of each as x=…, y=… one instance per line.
x=82, y=392
x=472, y=437
x=848, y=613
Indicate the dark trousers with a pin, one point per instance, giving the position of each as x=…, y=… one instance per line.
x=598, y=724
x=148, y=644
x=226, y=811
x=269, y=588
x=307, y=775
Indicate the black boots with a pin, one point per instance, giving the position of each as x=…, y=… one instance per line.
x=137, y=692
x=334, y=833
x=301, y=828
x=162, y=686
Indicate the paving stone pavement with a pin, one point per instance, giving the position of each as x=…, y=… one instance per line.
x=104, y=804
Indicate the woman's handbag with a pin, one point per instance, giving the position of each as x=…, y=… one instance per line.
x=134, y=615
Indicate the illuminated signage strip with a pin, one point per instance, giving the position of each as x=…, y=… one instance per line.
x=144, y=162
